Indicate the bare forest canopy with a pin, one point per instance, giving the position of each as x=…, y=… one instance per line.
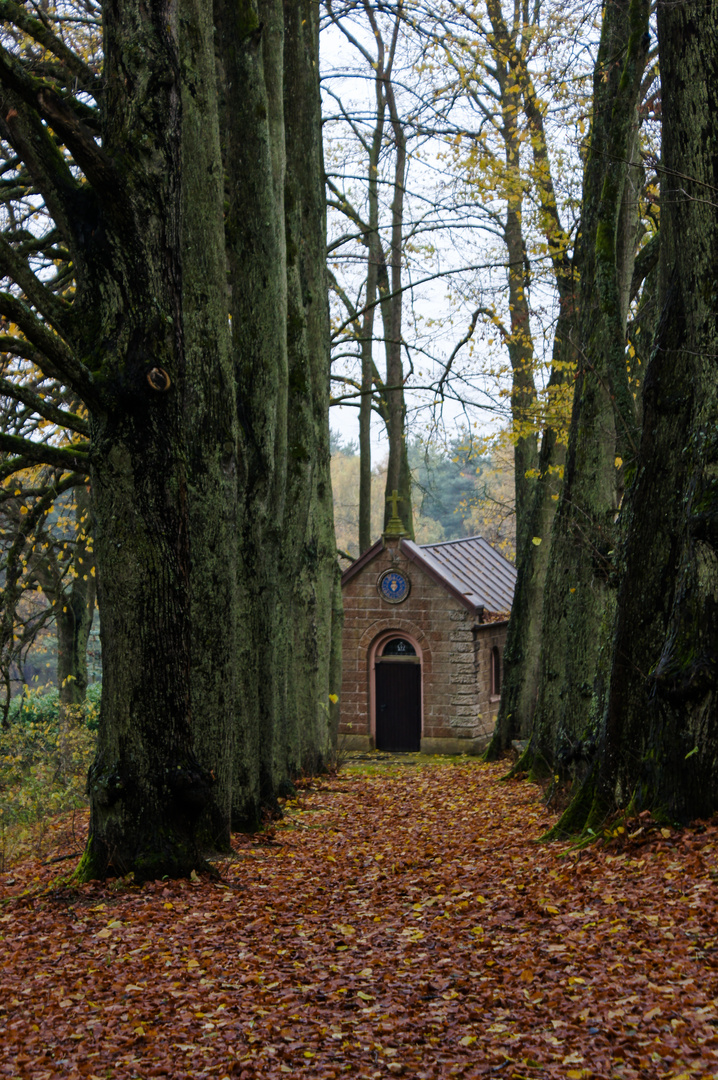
x=455, y=135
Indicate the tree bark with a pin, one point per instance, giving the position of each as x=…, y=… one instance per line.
x=374, y=259
x=147, y=789
x=276, y=241
x=660, y=738
x=253, y=138
x=580, y=586
x=522, y=652
x=210, y=408
x=311, y=569
x=519, y=342
x=74, y=611
x=213, y=534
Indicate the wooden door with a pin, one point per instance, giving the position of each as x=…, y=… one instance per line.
x=398, y=707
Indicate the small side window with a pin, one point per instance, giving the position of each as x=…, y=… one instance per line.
x=495, y=672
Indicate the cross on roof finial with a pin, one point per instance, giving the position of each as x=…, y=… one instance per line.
x=395, y=526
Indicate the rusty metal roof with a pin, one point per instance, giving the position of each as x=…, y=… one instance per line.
x=470, y=568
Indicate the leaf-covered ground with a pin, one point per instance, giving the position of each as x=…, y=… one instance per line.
x=403, y=922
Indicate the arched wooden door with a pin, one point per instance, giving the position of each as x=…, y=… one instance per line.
x=398, y=698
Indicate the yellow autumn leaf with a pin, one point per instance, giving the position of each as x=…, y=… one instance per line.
x=536, y=541
x=412, y=933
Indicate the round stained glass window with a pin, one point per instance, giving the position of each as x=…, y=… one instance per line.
x=393, y=586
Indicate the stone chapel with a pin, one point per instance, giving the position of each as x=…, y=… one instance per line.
x=424, y=633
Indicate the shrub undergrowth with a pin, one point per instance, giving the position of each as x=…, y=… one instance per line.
x=44, y=760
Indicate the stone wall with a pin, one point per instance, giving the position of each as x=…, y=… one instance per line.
x=458, y=712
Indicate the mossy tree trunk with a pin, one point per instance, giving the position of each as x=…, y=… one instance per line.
x=250, y=43
x=276, y=244
x=660, y=739
x=210, y=409
x=311, y=570
x=148, y=791
x=579, y=596
x=189, y=430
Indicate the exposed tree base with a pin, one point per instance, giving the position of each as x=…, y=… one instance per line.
x=495, y=749
x=172, y=859
x=530, y=765
x=150, y=830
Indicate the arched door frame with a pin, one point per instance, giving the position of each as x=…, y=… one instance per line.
x=374, y=652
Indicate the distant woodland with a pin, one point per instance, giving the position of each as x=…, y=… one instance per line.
x=460, y=489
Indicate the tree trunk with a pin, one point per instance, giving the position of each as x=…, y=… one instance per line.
x=74, y=611
x=148, y=792
x=374, y=259
x=660, y=746
x=276, y=242
x=203, y=602
x=536, y=499
x=253, y=139
x=311, y=570
x=522, y=653
x=520, y=341
x=210, y=409
x=398, y=473
x=579, y=596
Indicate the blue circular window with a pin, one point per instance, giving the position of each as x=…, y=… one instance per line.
x=393, y=586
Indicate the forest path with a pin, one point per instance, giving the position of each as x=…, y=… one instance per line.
x=398, y=922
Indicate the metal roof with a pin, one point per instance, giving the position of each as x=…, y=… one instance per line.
x=485, y=577
x=470, y=569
